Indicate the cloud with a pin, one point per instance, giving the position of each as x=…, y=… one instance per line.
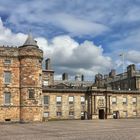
x=62, y=17
x=67, y=55
x=115, y=26
x=75, y=17
x=7, y=37
x=77, y=26
x=133, y=14
x=133, y=56
x=128, y=41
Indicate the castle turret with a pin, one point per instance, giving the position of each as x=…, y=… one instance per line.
x=30, y=58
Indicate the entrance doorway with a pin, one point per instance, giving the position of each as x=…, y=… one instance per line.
x=101, y=114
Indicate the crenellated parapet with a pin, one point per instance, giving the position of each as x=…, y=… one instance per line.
x=8, y=51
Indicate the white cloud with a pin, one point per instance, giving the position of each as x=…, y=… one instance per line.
x=67, y=55
x=77, y=26
x=133, y=14
x=133, y=56
x=7, y=37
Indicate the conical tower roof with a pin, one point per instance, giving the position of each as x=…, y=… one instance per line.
x=30, y=41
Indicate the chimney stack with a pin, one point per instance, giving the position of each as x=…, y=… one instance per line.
x=82, y=77
x=48, y=64
x=65, y=76
x=112, y=74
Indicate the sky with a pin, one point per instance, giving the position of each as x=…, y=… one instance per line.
x=80, y=36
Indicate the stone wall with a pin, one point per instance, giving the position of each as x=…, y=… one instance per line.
x=128, y=108
x=31, y=79
x=9, y=112
x=47, y=77
x=65, y=107
x=25, y=66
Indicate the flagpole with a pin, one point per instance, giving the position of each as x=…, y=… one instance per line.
x=123, y=62
x=123, y=68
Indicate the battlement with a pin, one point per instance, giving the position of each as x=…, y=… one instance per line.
x=8, y=51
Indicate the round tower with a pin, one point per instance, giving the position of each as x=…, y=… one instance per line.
x=30, y=57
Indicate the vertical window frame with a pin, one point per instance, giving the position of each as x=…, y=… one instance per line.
x=82, y=101
x=71, y=113
x=57, y=101
x=7, y=61
x=46, y=116
x=114, y=102
x=71, y=99
x=48, y=100
x=5, y=98
x=59, y=114
x=134, y=102
x=7, y=77
x=125, y=101
x=31, y=94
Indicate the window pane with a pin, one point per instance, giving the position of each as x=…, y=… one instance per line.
x=114, y=99
x=134, y=99
x=71, y=113
x=71, y=99
x=46, y=99
x=124, y=99
x=7, y=61
x=45, y=83
x=82, y=99
x=58, y=99
x=7, y=77
x=58, y=114
x=31, y=93
x=7, y=98
x=46, y=114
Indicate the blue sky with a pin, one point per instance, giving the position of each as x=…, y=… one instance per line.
x=80, y=36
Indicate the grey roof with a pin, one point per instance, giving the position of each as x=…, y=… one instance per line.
x=30, y=41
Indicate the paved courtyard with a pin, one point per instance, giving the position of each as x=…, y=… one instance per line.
x=128, y=129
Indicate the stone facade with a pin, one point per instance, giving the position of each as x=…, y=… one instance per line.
x=20, y=71
x=114, y=104
x=28, y=93
x=70, y=109
x=30, y=79
x=129, y=80
x=98, y=104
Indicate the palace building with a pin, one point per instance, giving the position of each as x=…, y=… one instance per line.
x=29, y=93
